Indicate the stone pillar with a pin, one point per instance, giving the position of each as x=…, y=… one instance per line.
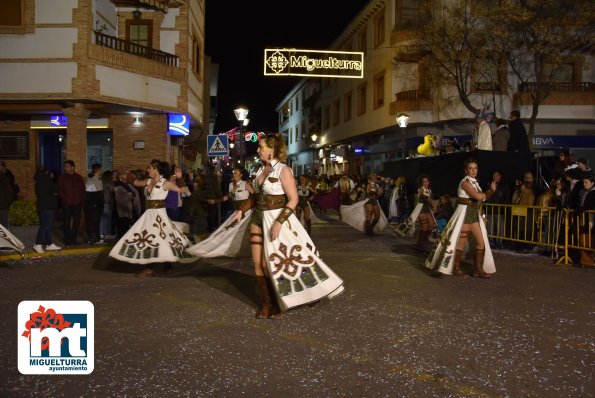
x=76, y=137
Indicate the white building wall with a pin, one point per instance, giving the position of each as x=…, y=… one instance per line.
x=37, y=77
x=105, y=17
x=44, y=43
x=120, y=84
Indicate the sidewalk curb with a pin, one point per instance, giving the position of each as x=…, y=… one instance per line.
x=57, y=253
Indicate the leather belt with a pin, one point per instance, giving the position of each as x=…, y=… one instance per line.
x=468, y=202
x=270, y=202
x=154, y=204
x=237, y=204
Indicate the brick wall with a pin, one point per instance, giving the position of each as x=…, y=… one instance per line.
x=154, y=134
x=23, y=170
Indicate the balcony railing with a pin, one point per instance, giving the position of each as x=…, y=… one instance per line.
x=487, y=86
x=558, y=86
x=135, y=49
x=408, y=95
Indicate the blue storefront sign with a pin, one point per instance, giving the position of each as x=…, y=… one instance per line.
x=58, y=121
x=563, y=141
x=178, y=124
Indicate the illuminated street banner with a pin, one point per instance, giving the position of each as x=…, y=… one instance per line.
x=292, y=62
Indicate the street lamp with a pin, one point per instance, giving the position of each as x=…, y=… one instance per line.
x=402, y=119
x=241, y=114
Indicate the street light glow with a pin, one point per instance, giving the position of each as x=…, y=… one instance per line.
x=402, y=119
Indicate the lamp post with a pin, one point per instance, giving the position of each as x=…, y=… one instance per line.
x=402, y=119
x=241, y=114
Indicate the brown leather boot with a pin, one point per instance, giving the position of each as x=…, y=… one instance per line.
x=372, y=225
x=265, y=297
x=586, y=256
x=275, y=312
x=456, y=268
x=367, y=227
x=478, y=265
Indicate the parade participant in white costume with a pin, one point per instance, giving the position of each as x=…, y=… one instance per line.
x=10, y=242
x=465, y=221
x=282, y=250
x=228, y=239
x=359, y=215
x=305, y=193
x=154, y=238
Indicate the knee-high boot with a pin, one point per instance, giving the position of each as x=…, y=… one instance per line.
x=372, y=225
x=265, y=297
x=309, y=226
x=586, y=259
x=456, y=268
x=367, y=226
x=478, y=265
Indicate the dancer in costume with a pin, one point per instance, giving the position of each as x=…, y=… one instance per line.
x=305, y=193
x=288, y=267
x=359, y=215
x=426, y=219
x=227, y=240
x=466, y=220
x=373, y=210
x=154, y=238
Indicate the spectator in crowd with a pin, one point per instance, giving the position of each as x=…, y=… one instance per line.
x=94, y=204
x=544, y=221
x=71, y=191
x=6, y=196
x=519, y=140
x=524, y=195
x=212, y=190
x=500, y=136
x=484, y=132
x=586, y=219
x=444, y=213
x=583, y=164
x=106, y=226
x=46, y=193
x=127, y=200
x=198, y=209
x=227, y=206
x=495, y=214
x=173, y=200
x=186, y=210
x=15, y=189
x=564, y=161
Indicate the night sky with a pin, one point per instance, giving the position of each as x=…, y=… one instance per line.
x=237, y=32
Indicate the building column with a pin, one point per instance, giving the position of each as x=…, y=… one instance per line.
x=76, y=136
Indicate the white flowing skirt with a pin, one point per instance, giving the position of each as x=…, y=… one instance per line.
x=355, y=215
x=313, y=217
x=229, y=240
x=153, y=238
x=442, y=257
x=10, y=242
x=297, y=271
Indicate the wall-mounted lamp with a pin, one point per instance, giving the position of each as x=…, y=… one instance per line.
x=138, y=120
x=136, y=14
x=314, y=137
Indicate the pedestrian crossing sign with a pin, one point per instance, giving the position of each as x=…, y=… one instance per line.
x=217, y=145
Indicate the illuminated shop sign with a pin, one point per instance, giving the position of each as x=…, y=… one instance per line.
x=58, y=121
x=178, y=124
x=358, y=150
x=292, y=62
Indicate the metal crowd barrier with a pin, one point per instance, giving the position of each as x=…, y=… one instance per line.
x=561, y=230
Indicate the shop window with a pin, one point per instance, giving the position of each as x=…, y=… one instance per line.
x=99, y=149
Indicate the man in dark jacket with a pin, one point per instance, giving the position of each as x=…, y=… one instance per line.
x=212, y=193
x=519, y=141
x=71, y=191
x=46, y=192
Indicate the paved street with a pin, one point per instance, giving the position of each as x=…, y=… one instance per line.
x=397, y=331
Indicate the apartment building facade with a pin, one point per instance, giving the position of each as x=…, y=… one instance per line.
x=348, y=125
x=115, y=82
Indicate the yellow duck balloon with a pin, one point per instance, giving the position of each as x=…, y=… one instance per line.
x=427, y=148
